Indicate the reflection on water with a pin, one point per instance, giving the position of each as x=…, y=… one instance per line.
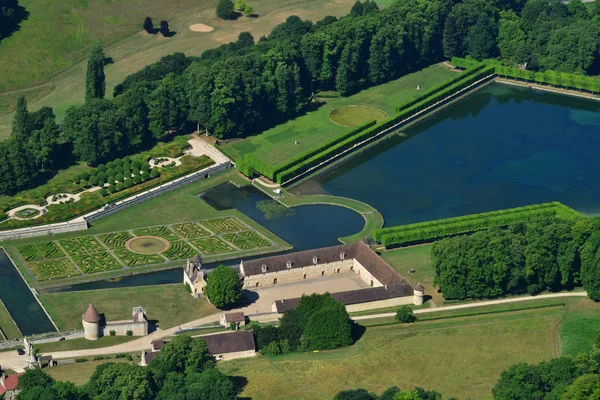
x=19, y=301
x=501, y=147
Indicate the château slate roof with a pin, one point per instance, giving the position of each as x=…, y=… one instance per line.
x=91, y=315
x=361, y=252
x=157, y=344
x=419, y=287
x=355, y=296
x=197, y=260
x=235, y=317
x=230, y=342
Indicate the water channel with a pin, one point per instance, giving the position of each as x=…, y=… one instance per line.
x=20, y=302
x=500, y=147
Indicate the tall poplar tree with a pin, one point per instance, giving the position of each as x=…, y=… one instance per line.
x=95, y=83
x=20, y=125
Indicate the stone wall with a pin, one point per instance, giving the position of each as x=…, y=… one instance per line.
x=232, y=356
x=43, y=230
x=299, y=274
x=396, y=301
x=121, y=328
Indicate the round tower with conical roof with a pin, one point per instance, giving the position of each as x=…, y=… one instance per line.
x=91, y=323
x=419, y=293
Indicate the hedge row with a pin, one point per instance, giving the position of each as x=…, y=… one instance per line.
x=464, y=63
x=250, y=162
x=553, y=78
x=368, y=133
x=432, y=91
x=434, y=230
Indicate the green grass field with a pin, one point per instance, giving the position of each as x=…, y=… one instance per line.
x=579, y=327
x=460, y=357
x=8, y=326
x=419, y=259
x=170, y=305
x=82, y=344
x=79, y=373
x=53, y=42
x=278, y=144
x=353, y=116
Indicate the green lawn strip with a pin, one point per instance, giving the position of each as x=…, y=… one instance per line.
x=53, y=269
x=170, y=305
x=279, y=143
x=579, y=327
x=115, y=240
x=8, y=326
x=79, y=373
x=408, y=355
x=82, y=344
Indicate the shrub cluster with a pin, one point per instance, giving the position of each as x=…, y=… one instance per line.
x=318, y=323
x=434, y=230
x=119, y=174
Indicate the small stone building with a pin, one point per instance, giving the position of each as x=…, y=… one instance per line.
x=94, y=326
x=231, y=345
x=147, y=357
x=194, y=276
x=236, y=317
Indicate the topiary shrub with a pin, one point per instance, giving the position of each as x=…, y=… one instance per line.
x=93, y=180
x=113, y=333
x=145, y=167
x=135, y=172
x=135, y=164
x=118, y=161
x=119, y=186
x=136, y=179
x=83, y=183
x=119, y=178
x=119, y=169
x=101, y=177
x=405, y=315
x=110, y=179
x=110, y=165
x=103, y=192
x=101, y=168
x=128, y=182
x=126, y=159
x=129, y=333
x=112, y=188
x=145, y=176
x=155, y=173
x=110, y=172
x=126, y=165
x=84, y=176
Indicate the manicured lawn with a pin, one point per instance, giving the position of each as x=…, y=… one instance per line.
x=356, y=115
x=419, y=259
x=461, y=357
x=170, y=305
x=278, y=144
x=54, y=41
x=579, y=327
x=7, y=324
x=82, y=344
x=78, y=373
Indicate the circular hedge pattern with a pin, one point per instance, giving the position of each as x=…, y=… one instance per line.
x=356, y=115
x=27, y=213
x=147, y=245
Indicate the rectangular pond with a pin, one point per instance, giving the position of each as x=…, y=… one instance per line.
x=501, y=147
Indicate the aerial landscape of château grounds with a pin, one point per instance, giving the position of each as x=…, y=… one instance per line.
x=299, y=199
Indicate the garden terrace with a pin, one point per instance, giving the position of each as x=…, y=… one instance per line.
x=222, y=237
x=433, y=230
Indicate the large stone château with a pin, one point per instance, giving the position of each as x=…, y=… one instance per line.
x=386, y=288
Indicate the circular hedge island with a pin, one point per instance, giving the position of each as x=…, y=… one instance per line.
x=28, y=213
x=147, y=245
x=352, y=116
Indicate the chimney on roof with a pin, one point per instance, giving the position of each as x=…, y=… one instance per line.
x=315, y=260
x=288, y=264
x=342, y=255
x=264, y=268
x=386, y=287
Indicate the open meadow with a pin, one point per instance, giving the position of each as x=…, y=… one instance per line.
x=169, y=305
x=316, y=127
x=461, y=356
x=54, y=41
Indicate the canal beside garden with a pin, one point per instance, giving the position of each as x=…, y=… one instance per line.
x=501, y=147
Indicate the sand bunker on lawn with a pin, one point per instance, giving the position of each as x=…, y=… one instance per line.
x=201, y=28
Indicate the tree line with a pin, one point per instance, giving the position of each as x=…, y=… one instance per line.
x=183, y=370
x=245, y=87
x=546, y=253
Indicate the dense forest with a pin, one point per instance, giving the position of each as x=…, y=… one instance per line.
x=247, y=86
x=546, y=253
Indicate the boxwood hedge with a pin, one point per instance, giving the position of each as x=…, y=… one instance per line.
x=433, y=230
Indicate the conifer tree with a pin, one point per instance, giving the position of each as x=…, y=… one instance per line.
x=20, y=125
x=95, y=84
x=148, y=25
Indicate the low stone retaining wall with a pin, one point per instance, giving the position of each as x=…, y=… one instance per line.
x=43, y=338
x=81, y=223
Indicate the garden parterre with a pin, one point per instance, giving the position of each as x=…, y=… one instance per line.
x=109, y=252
